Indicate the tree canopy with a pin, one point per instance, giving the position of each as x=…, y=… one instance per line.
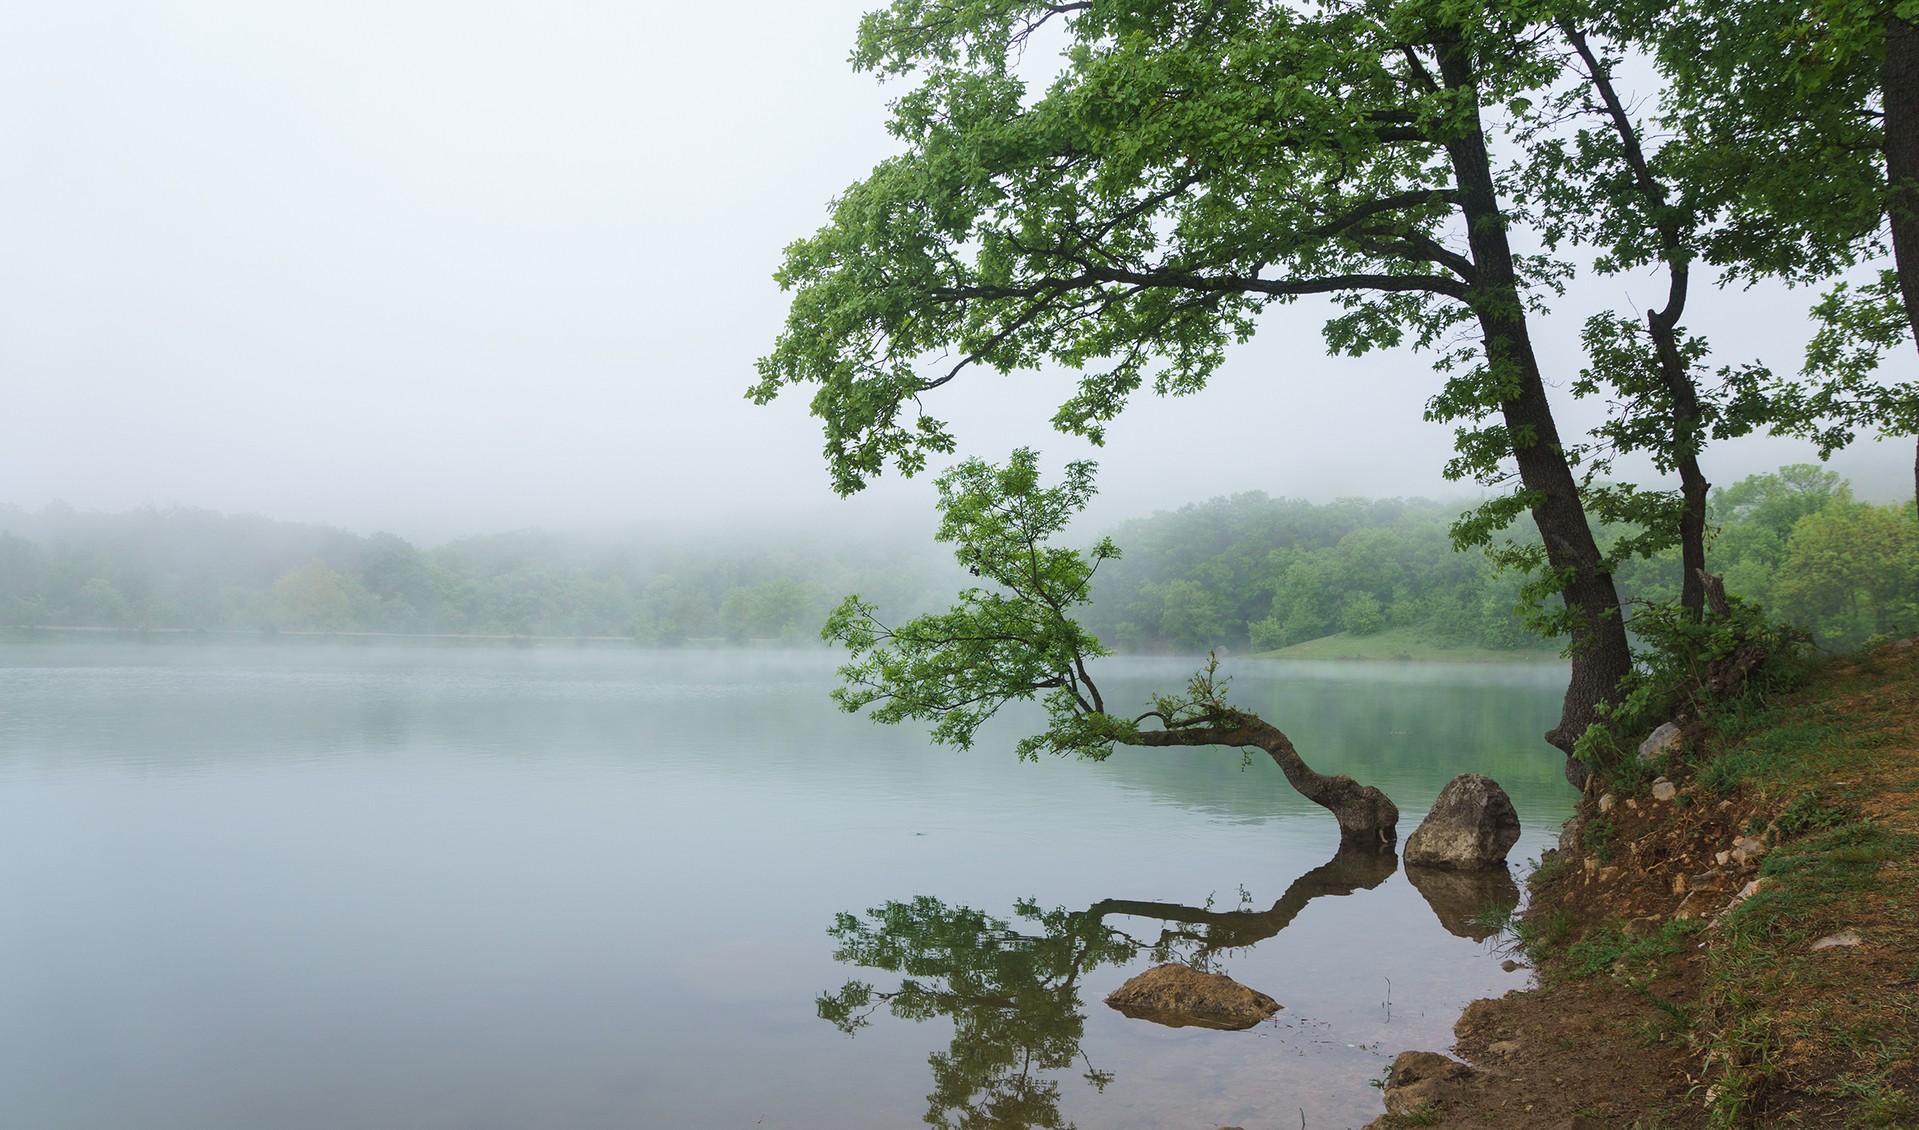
x=1188, y=168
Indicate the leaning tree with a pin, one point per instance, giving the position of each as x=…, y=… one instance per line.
x=1019, y=641
x=1190, y=166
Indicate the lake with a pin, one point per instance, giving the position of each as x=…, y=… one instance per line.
x=297, y=885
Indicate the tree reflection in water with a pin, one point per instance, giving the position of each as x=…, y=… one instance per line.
x=1013, y=993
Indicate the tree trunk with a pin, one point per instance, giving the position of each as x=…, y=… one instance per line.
x=1685, y=431
x=1365, y=815
x=1899, y=92
x=1601, y=656
x=1663, y=326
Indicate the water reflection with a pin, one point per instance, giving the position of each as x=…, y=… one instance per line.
x=1469, y=904
x=1012, y=990
x=1203, y=932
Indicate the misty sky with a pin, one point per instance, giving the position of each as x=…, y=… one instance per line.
x=452, y=268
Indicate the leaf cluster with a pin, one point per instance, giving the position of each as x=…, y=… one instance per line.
x=1013, y=642
x=1189, y=166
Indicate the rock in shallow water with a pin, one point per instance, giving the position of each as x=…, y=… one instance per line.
x=1420, y=1084
x=1470, y=828
x=1178, y=997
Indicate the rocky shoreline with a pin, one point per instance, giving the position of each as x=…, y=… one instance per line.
x=1733, y=942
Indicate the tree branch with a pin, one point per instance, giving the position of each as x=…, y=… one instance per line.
x=1170, y=278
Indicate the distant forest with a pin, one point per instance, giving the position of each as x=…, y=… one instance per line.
x=1248, y=572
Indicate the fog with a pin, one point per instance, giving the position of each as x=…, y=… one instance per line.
x=446, y=269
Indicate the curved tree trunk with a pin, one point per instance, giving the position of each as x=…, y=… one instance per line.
x=1692, y=481
x=1365, y=815
x=1357, y=867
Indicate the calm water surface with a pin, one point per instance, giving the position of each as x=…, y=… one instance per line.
x=301, y=886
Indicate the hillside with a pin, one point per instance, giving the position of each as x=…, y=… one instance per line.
x=1669, y=1000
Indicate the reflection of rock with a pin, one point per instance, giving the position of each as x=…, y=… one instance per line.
x=1178, y=995
x=1466, y=901
x=1471, y=827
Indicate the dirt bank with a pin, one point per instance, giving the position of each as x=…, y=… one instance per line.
x=1741, y=948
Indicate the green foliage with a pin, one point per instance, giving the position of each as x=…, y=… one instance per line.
x=1278, y=572
x=314, y=597
x=1841, y=395
x=1764, y=99
x=1755, y=518
x=1809, y=812
x=1187, y=168
x=1678, y=675
x=1778, y=133
x=957, y=668
x=1851, y=572
x=189, y=569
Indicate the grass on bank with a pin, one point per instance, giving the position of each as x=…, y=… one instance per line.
x=1831, y=1035
x=1785, y=1034
x=1404, y=644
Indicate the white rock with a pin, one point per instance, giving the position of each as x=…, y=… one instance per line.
x=1842, y=938
x=1661, y=742
x=1663, y=789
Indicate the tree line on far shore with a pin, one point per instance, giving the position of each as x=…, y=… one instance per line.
x=1245, y=572
x=1267, y=573
x=187, y=568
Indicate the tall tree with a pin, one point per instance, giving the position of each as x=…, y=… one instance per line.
x=1191, y=166
x=1601, y=186
x=1796, y=126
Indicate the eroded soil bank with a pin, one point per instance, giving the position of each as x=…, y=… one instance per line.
x=1740, y=949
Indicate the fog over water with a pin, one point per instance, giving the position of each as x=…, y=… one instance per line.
x=443, y=268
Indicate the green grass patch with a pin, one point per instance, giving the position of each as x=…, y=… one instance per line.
x=1773, y=989
x=1407, y=644
x=1542, y=932
x=1611, y=947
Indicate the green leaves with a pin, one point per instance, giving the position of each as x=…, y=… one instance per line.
x=1189, y=166
x=1015, y=642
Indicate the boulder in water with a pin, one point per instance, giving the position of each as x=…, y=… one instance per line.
x=1470, y=828
x=1178, y=996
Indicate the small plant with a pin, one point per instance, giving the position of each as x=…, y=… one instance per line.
x=1422, y=1114
x=1702, y=670
x=1611, y=945
x=1495, y=919
x=1596, y=837
x=1544, y=870
x=1809, y=813
x=1539, y=932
